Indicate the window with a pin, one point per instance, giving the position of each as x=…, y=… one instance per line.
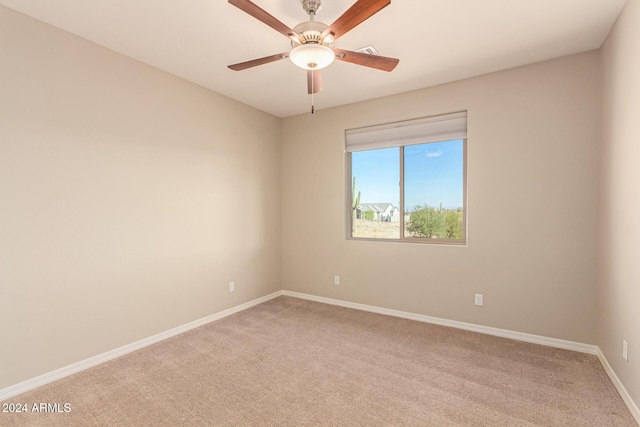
x=407, y=180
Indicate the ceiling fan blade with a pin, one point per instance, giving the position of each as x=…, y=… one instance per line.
x=264, y=16
x=355, y=15
x=378, y=62
x=260, y=61
x=314, y=81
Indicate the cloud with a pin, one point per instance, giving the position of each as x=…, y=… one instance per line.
x=434, y=153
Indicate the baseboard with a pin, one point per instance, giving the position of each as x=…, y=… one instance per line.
x=41, y=380
x=633, y=408
x=535, y=339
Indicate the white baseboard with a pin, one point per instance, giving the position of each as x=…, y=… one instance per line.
x=520, y=336
x=633, y=408
x=41, y=380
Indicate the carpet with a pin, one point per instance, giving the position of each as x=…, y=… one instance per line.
x=292, y=362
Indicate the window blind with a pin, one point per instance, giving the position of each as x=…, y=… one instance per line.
x=410, y=132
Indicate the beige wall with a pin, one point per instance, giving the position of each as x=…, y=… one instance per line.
x=129, y=199
x=532, y=179
x=619, y=284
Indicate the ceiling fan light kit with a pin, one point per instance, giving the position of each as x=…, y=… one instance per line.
x=312, y=56
x=312, y=41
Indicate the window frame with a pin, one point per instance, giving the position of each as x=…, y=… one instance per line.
x=403, y=238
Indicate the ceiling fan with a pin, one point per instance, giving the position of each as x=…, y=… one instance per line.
x=312, y=41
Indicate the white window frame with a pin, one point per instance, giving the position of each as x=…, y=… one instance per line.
x=426, y=130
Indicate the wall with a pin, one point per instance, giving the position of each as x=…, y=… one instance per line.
x=619, y=279
x=532, y=179
x=129, y=199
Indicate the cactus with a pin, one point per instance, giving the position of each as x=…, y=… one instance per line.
x=355, y=201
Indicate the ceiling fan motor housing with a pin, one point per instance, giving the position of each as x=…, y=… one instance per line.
x=311, y=32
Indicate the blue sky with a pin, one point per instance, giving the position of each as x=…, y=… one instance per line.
x=433, y=174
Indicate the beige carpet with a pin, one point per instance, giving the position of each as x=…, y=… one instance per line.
x=290, y=362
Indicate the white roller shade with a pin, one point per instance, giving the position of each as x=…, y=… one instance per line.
x=411, y=132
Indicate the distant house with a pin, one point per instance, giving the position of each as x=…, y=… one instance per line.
x=383, y=212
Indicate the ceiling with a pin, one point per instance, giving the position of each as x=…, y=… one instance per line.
x=437, y=41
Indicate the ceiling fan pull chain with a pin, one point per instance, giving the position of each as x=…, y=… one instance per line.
x=313, y=89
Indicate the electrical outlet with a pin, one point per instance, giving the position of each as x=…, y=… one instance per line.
x=336, y=280
x=232, y=286
x=625, y=350
x=479, y=300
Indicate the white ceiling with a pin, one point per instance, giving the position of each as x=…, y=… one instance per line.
x=437, y=41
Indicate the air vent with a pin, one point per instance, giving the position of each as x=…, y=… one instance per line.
x=370, y=50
